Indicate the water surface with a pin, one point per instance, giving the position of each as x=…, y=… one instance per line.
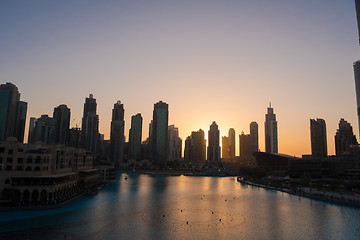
x=167, y=207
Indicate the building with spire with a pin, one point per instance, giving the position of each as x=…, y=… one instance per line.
x=117, y=134
x=271, y=136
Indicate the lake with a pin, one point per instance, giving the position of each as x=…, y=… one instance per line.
x=139, y=206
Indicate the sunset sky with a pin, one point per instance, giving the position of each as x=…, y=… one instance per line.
x=213, y=60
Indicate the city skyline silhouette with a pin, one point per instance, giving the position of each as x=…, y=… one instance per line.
x=209, y=61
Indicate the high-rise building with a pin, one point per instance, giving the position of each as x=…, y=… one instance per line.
x=89, y=107
x=357, y=4
x=249, y=142
x=159, y=133
x=344, y=138
x=231, y=137
x=12, y=113
x=357, y=88
x=213, y=152
x=31, y=135
x=74, y=137
x=271, y=137
x=20, y=121
x=225, y=152
x=117, y=134
x=187, y=149
x=254, y=137
x=245, y=145
x=318, y=137
x=92, y=136
x=197, y=146
x=45, y=130
x=135, y=133
x=174, y=143
x=62, y=118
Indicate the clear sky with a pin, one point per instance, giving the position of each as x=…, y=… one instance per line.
x=213, y=60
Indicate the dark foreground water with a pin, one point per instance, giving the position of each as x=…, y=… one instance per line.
x=147, y=207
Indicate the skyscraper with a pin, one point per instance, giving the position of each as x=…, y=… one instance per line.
x=344, y=138
x=213, y=152
x=187, y=149
x=225, y=153
x=44, y=130
x=254, y=137
x=159, y=133
x=135, y=133
x=357, y=4
x=271, y=138
x=31, y=135
x=318, y=137
x=231, y=143
x=62, y=120
x=174, y=143
x=12, y=113
x=356, y=66
x=117, y=134
x=249, y=142
x=92, y=136
x=197, y=153
x=89, y=107
x=245, y=145
x=74, y=137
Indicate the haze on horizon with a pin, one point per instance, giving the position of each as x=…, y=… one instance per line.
x=220, y=61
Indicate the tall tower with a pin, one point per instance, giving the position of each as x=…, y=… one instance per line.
x=89, y=109
x=31, y=135
x=62, y=120
x=357, y=5
x=225, y=147
x=92, y=136
x=271, y=138
x=44, y=130
x=174, y=143
x=117, y=134
x=197, y=152
x=213, y=152
x=135, y=133
x=159, y=133
x=344, y=138
x=12, y=113
x=356, y=66
x=357, y=88
x=245, y=145
x=254, y=137
x=318, y=137
x=231, y=142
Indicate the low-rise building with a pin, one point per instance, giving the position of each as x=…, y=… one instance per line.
x=44, y=174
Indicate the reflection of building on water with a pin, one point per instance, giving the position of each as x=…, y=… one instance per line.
x=45, y=174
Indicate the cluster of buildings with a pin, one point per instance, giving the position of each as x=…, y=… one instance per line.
x=162, y=148
x=57, y=164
